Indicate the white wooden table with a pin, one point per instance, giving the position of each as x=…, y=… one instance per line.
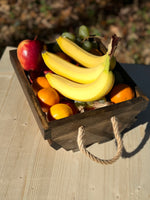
x=32, y=170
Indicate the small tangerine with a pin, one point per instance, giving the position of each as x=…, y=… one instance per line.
x=39, y=83
x=121, y=92
x=48, y=97
x=60, y=110
x=43, y=82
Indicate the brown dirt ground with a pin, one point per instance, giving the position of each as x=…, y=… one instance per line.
x=22, y=19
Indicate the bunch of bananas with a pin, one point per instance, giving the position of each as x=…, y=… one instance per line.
x=89, y=82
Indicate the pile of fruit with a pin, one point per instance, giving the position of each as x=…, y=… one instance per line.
x=74, y=75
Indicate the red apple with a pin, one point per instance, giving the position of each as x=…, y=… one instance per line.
x=29, y=54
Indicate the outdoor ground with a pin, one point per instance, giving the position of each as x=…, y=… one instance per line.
x=22, y=19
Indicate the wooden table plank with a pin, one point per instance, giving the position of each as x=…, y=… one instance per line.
x=31, y=169
x=5, y=63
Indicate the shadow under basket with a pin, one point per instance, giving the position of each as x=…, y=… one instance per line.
x=97, y=124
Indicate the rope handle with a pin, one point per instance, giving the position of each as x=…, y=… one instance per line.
x=81, y=133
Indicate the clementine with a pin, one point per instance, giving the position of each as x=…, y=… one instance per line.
x=48, y=97
x=60, y=110
x=39, y=83
x=121, y=92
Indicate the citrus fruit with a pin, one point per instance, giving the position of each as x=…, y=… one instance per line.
x=121, y=92
x=39, y=83
x=48, y=97
x=60, y=110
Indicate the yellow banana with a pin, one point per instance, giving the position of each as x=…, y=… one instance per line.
x=80, y=55
x=71, y=71
x=84, y=92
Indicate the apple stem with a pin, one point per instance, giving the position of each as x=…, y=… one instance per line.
x=35, y=38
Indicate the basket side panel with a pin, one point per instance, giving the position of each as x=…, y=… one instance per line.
x=32, y=100
x=97, y=124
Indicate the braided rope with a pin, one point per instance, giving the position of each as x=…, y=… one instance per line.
x=94, y=158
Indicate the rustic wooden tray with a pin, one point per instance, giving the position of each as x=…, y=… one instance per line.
x=98, y=128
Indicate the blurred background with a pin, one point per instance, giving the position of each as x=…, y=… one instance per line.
x=129, y=19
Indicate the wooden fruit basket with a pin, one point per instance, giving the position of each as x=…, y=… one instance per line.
x=98, y=125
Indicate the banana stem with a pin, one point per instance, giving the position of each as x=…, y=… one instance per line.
x=113, y=45
x=107, y=62
x=35, y=38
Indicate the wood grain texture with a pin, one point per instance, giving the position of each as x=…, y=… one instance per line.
x=32, y=170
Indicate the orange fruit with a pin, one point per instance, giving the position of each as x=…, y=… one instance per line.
x=121, y=92
x=60, y=110
x=48, y=97
x=42, y=82
x=39, y=83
